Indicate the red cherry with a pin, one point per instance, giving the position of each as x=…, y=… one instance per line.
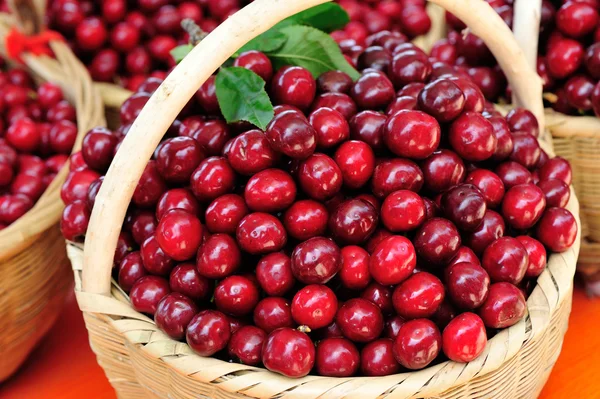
x=156, y=261
x=270, y=190
x=177, y=159
x=523, y=206
x=320, y=177
x=465, y=206
x=274, y=274
x=292, y=135
x=131, y=270
x=577, y=19
x=536, y=254
x=396, y=174
x=504, y=306
x=236, y=295
x=330, y=126
x=373, y=90
x=412, y=134
x=259, y=233
x=418, y=343
x=73, y=223
x=489, y=184
x=464, y=254
x=356, y=162
x=173, y=314
x=77, y=184
x=557, y=168
x=368, y=126
x=257, y=62
x=316, y=261
x=289, y=352
x=186, y=280
x=340, y=102
x=360, y=320
x=418, y=296
x=377, y=358
x=491, y=228
x=557, y=229
x=505, y=260
x=443, y=170
x=250, y=152
x=306, y=219
x=273, y=313
x=218, y=257
x=467, y=284
x=354, y=273
x=147, y=292
x=179, y=234
x=208, y=332
x=393, y=260
x=334, y=82
x=512, y=174
x=556, y=191
x=464, y=338
x=564, y=57
x=442, y=99
x=294, y=86
x=314, y=306
x=150, y=187
x=472, y=137
x=437, y=241
x=246, y=345
x=225, y=213
x=353, y=221
x=337, y=357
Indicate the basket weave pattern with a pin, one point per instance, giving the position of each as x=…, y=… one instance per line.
x=141, y=361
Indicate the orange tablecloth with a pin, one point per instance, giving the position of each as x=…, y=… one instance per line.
x=64, y=366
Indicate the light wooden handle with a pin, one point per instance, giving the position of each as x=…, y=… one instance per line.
x=181, y=84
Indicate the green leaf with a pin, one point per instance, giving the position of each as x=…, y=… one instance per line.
x=269, y=41
x=179, y=52
x=326, y=17
x=312, y=49
x=242, y=97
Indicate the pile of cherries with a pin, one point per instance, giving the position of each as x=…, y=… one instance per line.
x=568, y=61
x=125, y=41
x=37, y=132
x=375, y=226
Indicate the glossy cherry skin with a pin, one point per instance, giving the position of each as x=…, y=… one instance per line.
x=250, y=152
x=577, y=19
x=491, y=228
x=522, y=120
x=472, y=137
x=225, y=213
x=314, y=306
x=557, y=168
x=505, y=306
x=213, y=178
x=437, y=241
x=505, y=260
x=156, y=261
x=409, y=66
x=442, y=99
x=316, y=261
x=294, y=86
x=356, y=161
x=173, y=314
x=179, y=234
x=557, y=229
x=320, y=177
x=186, y=280
x=412, y=134
x=257, y=62
x=259, y=233
x=330, y=126
x=467, y=284
x=377, y=358
x=523, y=206
x=526, y=150
x=97, y=148
x=272, y=313
x=564, y=57
x=337, y=357
x=208, y=332
x=353, y=221
x=393, y=260
x=131, y=269
x=442, y=170
x=556, y=191
x=512, y=174
x=334, y=82
x=218, y=257
x=236, y=295
x=474, y=98
x=368, y=126
x=392, y=326
x=504, y=142
x=464, y=338
x=373, y=90
x=464, y=254
x=360, y=320
x=177, y=198
x=270, y=190
x=289, y=352
x=246, y=345
x=465, y=206
x=147, y=292
x=77, y=184
x=306, y=219
x=354, y=272
x=177, y=159
x=419, y=296
x=274, y=274
x=340, y=102
x=418, y=343
x=536, y=254
x=489, y=185
x=396, y=174
x=380, y=295
x=292, y=135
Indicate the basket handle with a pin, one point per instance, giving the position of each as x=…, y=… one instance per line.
x=181, y=84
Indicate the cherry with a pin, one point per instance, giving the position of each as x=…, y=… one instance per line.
x=367, y=126
x=504, y=306
x=24, y=135
x=212, y=136
x=472, y=137
x=412, y=134
x=392, y=261
x=207, y=97
x=77, y=184
x=577, y=19
x=218, y=257
x=179, y=234
x=73, y=223
x=418, y=343
x=373, y=90
x=465, y=206
x=274, y=274
x=236, y=295
x=61, y=111
x=224, y=214
x=150, y=187
x=402, y=103
x=273, y=313
x=330, y=126
x=437, y=241
x=155, y=260
x=314, y=306
x=259, y=233
x=186, y=280
x=512, y=174
x=409, y=66
x=442, y=99
x=418, y=296
x=124, y=37
x=443, y=170
x=377, y=358
x=160, y=47
x=354, y=272
x=356, y=162
x=147, y=292
x=374, y=58
x=489, y=185
x=257, y=62
x=62, y=137
x=536, y=254
x=360, y=320
x=213, y=178
x=468, y=284
x=557, y=229
x=91, y=34
x=270, y=190
x=97, y=148
x=504, y=141
x=49, y=94
x=6, y=174
x=564, y=57
x=557, y=168
x=334, y=82
x=246, y=345
x=289, y=352
x=306, y=219
x=506, y=260
x=177, y=198
x=173, y=314
x=396, y=174
x=208, y=332
x=556, y=191
x=177, y=159
x=292, y=135
x=316, y=261
x=336, y=357
x=340, y=102
x=294, y=86
x=30, y=186
x=464, y=338
x=380, y=295
x=523, y=206
x=320, y=177
x=353, y=221
x=491, y=228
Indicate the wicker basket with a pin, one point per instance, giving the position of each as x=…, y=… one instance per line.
x=33, y=262
x=141, y=362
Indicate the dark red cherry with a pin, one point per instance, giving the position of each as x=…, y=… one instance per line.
x=177, y=198
x=557, y=229
x=186, y=280
x=270, y=190
x=442, y=170
x=320, y=177
x=472, y=137
x=505, y=260
x=356, y=162
x=354, y=272
x=491, y=228
x=150, y=187
x=368, y=126
x=246, y=345
x=412, y=134
x=418, y=296
x=464, y=338
x=380, y=295
x=147, y=292
x=373, y=90
x=334, y=82
x=330, y=126
x=294, y=86
x=465, y=206
x=218, y=257
x=557, y=168
x=179, y=234
x=156, y=261
x=505, y=306
x=396, y=174
x=259, y=233
x=442, y=99
x=173, y=314
x=306, y=219
x=377, y=358
x=353, y=221
x=418, y=343
x=131, y=270
x=316, y=261
x=225, y=213
x=393, y=260
x=360, y=320
x=314, y=306
x=467, y=284
x=272, y=313
x=208, y=332
x=213, y=178
x=437, y=241
x=556, y=191
x=337, y=357
x=526, y=150
x=250, y=152
x=236, y=295
x=274, y=274
x=489, y=184
x=289, y=352
x=512, y=174
x=292, y=135
x=523, y=206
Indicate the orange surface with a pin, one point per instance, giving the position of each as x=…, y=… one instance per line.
x=64, y=367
